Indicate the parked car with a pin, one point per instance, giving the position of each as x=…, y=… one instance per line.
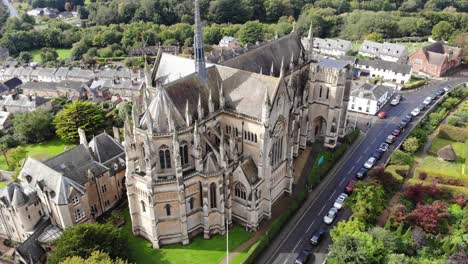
x=378, y=154
x=390, y=139
x=317, y=236
x=331, y=215
x=434, y=96
x=396, y=132
x=349, y=187
x=416, y=112
x=370, y=163
x=382, y=115
x=403, y=124
x=408, y=118
x=447, y=88
x=427, y=100
x=422, y=106
x=303, y=257
x=340, y=201
x=440, y=92
x=361, y=173
x=396, y=100
x=383, y=147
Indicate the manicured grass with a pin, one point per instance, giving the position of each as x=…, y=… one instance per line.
x=439, y=143
x=199, y=251
x=41, y=151
x=62, y=54
x=433, y=165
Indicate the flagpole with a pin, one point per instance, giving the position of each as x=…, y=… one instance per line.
x=227, y=242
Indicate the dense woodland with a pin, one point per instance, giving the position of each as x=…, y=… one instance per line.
x=112, y=27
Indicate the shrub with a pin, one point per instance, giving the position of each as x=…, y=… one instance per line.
x=385, y=179
x=453, y=133
x=415, y=84
x=422, y=176
x=400, y=157
x=411, y=144
x=460, y=199
x=429, y=217
x=455, y=121
x=418, y=192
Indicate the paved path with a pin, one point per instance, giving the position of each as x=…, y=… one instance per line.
x=10, y=7
x=294, y=237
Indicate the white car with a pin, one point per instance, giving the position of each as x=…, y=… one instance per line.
x=383, y=147
x=427, y=101
x=395, y=101
x=331, y=215
x=415, y=111
x=370, y=163
x=340, y=201
x=447, y=88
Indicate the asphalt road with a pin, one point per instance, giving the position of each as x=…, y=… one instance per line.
x=12, y=10
x=297, y=239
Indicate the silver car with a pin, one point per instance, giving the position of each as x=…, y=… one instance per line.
x=331, y=215
x=340, y=201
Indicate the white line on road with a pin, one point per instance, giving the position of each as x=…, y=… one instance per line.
x=359, y=159
x=332, y=195
x=298, y=242
x=321, y=210
x=286, y=260
x=367, y=149
x=311, y=224
x=342, y=181
x=373, y=140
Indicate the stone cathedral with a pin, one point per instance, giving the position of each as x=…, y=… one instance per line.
x=210, y=144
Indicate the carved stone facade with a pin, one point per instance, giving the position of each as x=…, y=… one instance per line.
x=202, y=153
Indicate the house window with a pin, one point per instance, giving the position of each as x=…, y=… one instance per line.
x=352, y=106
x=328, y=92
x=143, y=206
x=237, y=132
x=213, y=202
x=79, y=214
x=368, y=102
x=239, y=191
x=191, y=203
x=367, y=109
x=184, y=153
x=76, y=199
x=320, y=92
x=168, y=209
x=104, y=188
x=165, y=157
x=418, y=61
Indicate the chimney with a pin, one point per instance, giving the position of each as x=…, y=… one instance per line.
x=83, y=140
x=116, y=133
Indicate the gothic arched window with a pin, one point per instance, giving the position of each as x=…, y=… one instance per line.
x=168, y=209
x=191, y=203
x=328, y=92
x=239, y=191
x=184, y=159
x=320, y=92
x=213, y=202
x=143, y=206
x=165, y=157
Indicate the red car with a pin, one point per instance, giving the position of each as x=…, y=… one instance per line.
x=349, y=187
x=396, y=132
x=382, y=115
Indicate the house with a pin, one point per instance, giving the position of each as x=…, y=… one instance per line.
x=46, y=11
x=385, y=51
x=20, y=103
x=332, y=47
x=389, y=71
x=436, y=59
x=5, y=120
x=369, y=98
x=229, y=42
x=13, y=83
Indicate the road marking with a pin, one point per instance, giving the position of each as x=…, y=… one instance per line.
x=341, y=183
x=367, y=149
x=352, y=168
x=286, y=260
x=313, y=201
x=311, y=224
x=332, y=195
x=359, y=159
x=373, y=140
x=298, y=242
x=321, y=210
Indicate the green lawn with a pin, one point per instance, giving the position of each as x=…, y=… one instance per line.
x=434, y=166
x=41, y=151
x=62, y=54
x=199, y=251
x=439, y=143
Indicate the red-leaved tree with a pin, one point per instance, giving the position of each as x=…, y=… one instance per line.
x=429, y=216
x=418, y=192
x=460, y=199
x=398, y=213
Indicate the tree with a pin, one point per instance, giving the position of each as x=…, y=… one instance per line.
x=33, y=127
x=461, y=40
x=356, y=248
x=398, y=213
x=25, y=57
x=79, y=114
x=97, y=257
x=84, y=239
x=277, y=8
x=411, y=144
x=376, y=37
x=429, y=216
x=399, y=157
x=48, y=55
x=455, y=121
x=7, y=142
x=418, y=192
x=251, y=32
x=442, y=31
x=367, y=201
x=17, y=156
x=212, y=34
x=349, y=227
x=83, y=12
x=385, y=179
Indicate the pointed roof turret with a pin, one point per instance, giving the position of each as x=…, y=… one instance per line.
x=200, y=108
x=199, y=49
x=210, y=103
x=291, y=63
x=266, y=109
x=188, y=117
x=272, y=69
x=222, y=100
x=282, y=67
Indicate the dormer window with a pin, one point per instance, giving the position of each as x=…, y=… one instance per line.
x=116, y=166
x=76, y=199
x=28, y=178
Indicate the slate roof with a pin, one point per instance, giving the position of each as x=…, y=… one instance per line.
x=271, y=52
x=173, y=67
x=383, y=49
x=30, y=249
x=3, y=88
x=329, y=63
x=387, y=65
x=250, y=170
x=105, y=148
x=369, y=91
x=40, y=86
x=16, y=195
x=333, y=44
x=437, y=53
x=13, y=83
x=21, y=100
x=71, y=85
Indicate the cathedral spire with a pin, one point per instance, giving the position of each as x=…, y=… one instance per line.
x=200, y=109
x=210, y=102
x=266, y=110
x=199, y=49
x=282, y=67
x=222, y=100
x=188, y=117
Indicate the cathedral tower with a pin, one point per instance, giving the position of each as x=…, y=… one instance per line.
x=199, y=49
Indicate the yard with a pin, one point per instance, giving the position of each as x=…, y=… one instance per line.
x=199, y=251
x=41, y=151
x=62, y=54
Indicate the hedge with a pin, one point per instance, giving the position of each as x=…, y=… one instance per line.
x=413, y=85
x=453, y=133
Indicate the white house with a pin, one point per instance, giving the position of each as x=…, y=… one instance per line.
x=369, y=98
x=384, y=51
x=389, y=71
x=229, y=42
x=332, y=47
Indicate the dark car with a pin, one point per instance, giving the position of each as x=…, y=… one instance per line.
x=396, y=132
x=317, y=236
x=440, y=92
x=434, y=96
x=378, y=154
x=303, y=257
x=408, y=118
x=403, y=123
x=361, y=173
x=421, y=106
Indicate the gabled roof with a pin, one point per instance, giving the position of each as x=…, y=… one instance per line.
x=437, y=53
x=30, y=249
x=387, y=65
x=23, y=101
x=16, y=195
x=105, y=148
x=210, y=163
x=383, y=49
x=331, y=44
x=369, y=91
x=250, y=170
x=13, y=83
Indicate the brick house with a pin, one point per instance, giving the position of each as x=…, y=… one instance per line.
x=436, y=59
